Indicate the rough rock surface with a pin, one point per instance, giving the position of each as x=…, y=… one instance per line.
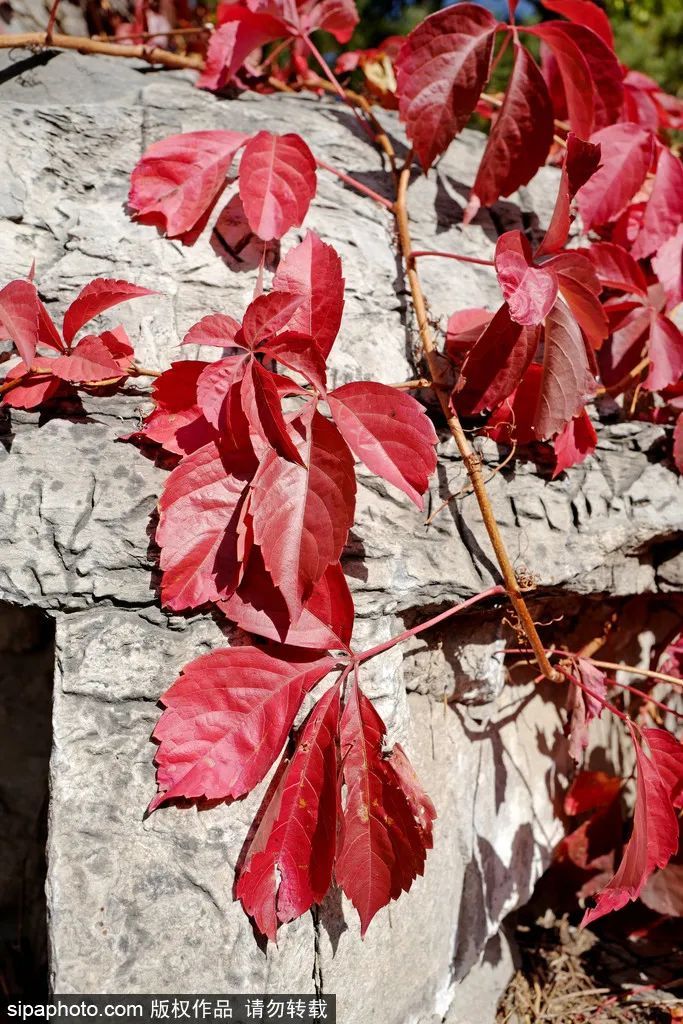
x=146, y=905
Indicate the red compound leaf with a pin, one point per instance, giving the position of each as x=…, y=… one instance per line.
x=240, y=32
x=313, y=271
x=178, y=180
x=303, y=512
x=441, y=70
x=520, y=138
x=199, y=520
x=277, y=183
x=654, y=839
x=386, y=824
x=227, y=717
x=288, y=866
x=390, y=432
x=529, y=291
x=90, y=361
x=326, y=619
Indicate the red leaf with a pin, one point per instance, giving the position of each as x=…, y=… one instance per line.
x=580, y=163
x=216, y=329
x=575, y=443
x=605, y=79
x=262, y=407
x=530, y=292
x=20, y=317
x=326, y=619
x=214, y=388
x=575, y=74
x=584, y=705
x=513, y=421
x=664, y=210
x=665, y=349
x=267, y=315
x=389, y=431
x=496, y=363
x=616, y=268
x=464, y=328
x=386, y=831
x=667, y=752
x=288, y=866
x=36, y=390
x=199, y=515
x=584, y=12
x=92, y=300
x=90, y=361
x=567, y=378
x=240, y=32
x=313, y=271
x=655, y=827
x=580, y=288
x=300, y=353
x=441, y=70
x=521, y=136
x=177, y=423
x=303, y=513
x=590, y=791
x=678, y=443
x=339, y=17
x=227, y=718
x=236, y=244
x=179, y=179
x=626, y=154
x=668, y=266
x=277, y=183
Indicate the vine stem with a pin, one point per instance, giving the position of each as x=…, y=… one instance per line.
x=83, y=44
x=358, y=185
x=496, y=591
x=470, y=459
x=419, y=253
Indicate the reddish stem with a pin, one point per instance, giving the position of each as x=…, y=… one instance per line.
x=596, y=696
x=646, y=696
x=451, y=256
x=400, y=637
x=358, y=185
x=334, y=82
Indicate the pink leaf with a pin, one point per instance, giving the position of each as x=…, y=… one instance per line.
x=214, y=388
x=303, y=513
x=227, y=718
x=215, y=329
x=313, y=271
x=441, y=70
x=97, y=296
x=20, y=317
x=277, y=183
x=584, y=705
x=655, y=827
x=530, y=292
x=521, y=136
x=390, y=432
x=179, y=179
x=386, y=830
x=668, y=266
x=626, y=154
x=288, y=866
x=575, y=443
x=199, y=513
x=339, y=17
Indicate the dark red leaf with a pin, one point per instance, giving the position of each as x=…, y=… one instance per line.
x=95, y=298
x=496, y=363
x=605, y=74
x=227, y=718
x=584, y=12
x=240, y=32
x=326, y=619
x=567, y=378
x=277, y=183
x=389, y=431
x=575, y=443
x=386, y=830
x=179, y=179
x=520, y=138
x=580, y=163
x=441, y=70
x=655, y=827
x=313, y=271
x=626, y=153
x=529, y=291
x=575, y=73
x=465, y=326
x=664, y=210
x=288, y=866
x=584, y=705
x=215, y=329
x=199, y=516
x=303, y=513
x=512, y=422
x=591, y=790
x=580, y=288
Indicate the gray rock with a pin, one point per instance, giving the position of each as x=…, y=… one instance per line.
x=146, y=905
